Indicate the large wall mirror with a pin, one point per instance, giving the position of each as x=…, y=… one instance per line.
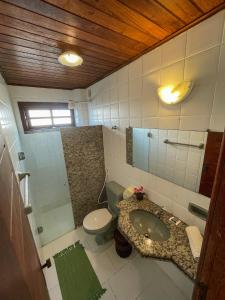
x=186, y=158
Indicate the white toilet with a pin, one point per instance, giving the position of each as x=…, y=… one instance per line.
x=103, y=221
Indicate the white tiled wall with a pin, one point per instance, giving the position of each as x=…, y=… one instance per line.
x=81, y=109
x=198, y=55
x=32, y=94
x=81, y=114
x=179, y=164
x=8, y=126
x=128, y=98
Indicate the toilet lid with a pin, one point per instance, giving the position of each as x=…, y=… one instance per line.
x=97, y=219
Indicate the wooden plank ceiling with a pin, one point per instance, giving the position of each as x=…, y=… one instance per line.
x=107, y=33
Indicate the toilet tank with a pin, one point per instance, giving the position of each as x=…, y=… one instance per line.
x=114, y=193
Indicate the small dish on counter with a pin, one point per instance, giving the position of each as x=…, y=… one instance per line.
x=173, y=246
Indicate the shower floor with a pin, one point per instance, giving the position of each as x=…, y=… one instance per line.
x=56, y=223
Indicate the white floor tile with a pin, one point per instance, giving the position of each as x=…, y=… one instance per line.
x=109, y=293
x=178, y=278
x=48, y=251
x=63, y=242
x=129, y=282
x=160, y=283
x=88, y=241
x=117, y=261
x=102, y=265
x=51, y=276
x=146, y=268
x=91, y=245
x=55, y=293
x=133, y=278
x=153, y=292
x=172, y=291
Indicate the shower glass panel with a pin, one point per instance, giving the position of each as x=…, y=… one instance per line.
x=48, y=185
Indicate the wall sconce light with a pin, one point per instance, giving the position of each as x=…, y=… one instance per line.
x=171, y=94
x=70, y=59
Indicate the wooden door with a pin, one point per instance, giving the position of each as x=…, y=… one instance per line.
x=212, y=152
x=210, y=283
x=21, y=277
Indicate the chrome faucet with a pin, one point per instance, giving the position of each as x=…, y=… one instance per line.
x=160, y=212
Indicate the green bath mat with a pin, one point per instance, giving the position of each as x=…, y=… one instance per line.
x=77, y=278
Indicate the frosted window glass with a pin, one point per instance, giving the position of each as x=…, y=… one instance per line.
x=41, y=122
x=37, y=113
x=61, y=113
x=61, y=121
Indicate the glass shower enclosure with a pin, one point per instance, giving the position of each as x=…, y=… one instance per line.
x=49, y=188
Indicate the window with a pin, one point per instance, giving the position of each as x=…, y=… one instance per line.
x=38, y=116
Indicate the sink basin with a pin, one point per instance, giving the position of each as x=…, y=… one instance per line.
x=149, y=225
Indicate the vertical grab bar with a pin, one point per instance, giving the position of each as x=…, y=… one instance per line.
x=27, y=205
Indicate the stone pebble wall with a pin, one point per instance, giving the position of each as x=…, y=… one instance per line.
x=84, y=158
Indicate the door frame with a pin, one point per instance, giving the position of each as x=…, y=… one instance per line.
x=211, y=267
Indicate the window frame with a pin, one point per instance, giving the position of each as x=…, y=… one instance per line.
x=24, y=107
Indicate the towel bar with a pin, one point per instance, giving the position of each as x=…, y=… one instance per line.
x=200, y=146
x=27, y=205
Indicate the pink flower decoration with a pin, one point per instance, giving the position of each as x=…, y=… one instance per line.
x=139, y=189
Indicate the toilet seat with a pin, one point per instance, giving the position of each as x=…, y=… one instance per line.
x=97, y=220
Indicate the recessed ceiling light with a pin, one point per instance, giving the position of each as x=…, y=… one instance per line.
x=70, y=59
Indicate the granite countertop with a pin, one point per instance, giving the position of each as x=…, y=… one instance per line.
x=176, y=248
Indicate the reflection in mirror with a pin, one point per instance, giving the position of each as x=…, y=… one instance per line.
x=141, y=149
x=182, y=157
x=129, y=145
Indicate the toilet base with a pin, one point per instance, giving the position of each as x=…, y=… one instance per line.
x=101, y=239
x=104, y=237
